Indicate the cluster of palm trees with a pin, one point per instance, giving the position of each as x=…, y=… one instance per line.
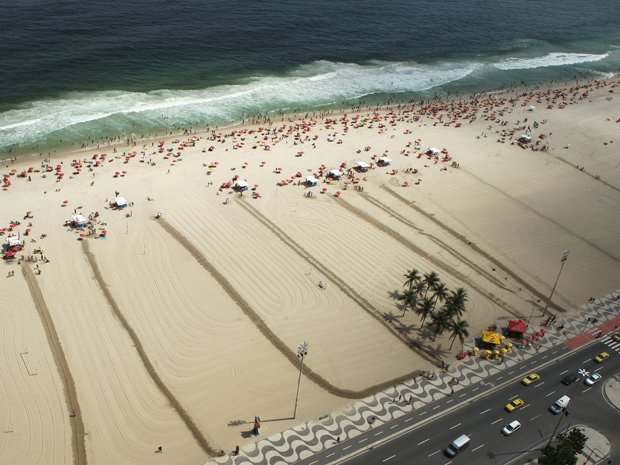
x=422, y=295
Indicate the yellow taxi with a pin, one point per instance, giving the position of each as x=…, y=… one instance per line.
x=616, y=337
x=529, y=379
x=600, y=358
x=514, y=404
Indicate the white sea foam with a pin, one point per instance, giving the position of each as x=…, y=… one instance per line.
x=551, y=59
x=319, y=83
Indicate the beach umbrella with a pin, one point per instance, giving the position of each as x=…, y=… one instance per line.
x=324, y=189
x=65, y=202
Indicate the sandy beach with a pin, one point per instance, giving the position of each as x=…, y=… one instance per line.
x=177, y=331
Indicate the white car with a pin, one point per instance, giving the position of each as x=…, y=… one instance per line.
x=593, y=378
x=511, y=428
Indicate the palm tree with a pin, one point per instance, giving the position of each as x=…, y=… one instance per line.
x=410, y=300
x=412, y=278
x=431, y=280
x=419, y=287
x=440, y=293
x=440, y=320
x=459, y=330
x=455, y=303
x=424, y=310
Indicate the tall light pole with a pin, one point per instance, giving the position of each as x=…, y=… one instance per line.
x=565, y=255
x=302, y=353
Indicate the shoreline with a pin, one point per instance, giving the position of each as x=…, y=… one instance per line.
x=213, y=306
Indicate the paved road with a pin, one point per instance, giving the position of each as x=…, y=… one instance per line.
x=478, y=412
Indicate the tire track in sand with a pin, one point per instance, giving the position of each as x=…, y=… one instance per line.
x=499, y=265
x=420, y=252
x=77, y=425
x=176, y=405
x=247, y=309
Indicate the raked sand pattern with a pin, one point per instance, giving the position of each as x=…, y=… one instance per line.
x=176, y=332
x=308, y=438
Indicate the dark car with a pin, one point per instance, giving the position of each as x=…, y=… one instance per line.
x=570, y=379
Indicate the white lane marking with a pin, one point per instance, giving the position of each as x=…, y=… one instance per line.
x=599, y=369
x=474, y=450
x=499, y=377
x=378, y=433
x=422, y=442
x=550, y=394
x=555, y=352
x=456, y=426
x=525, y=406
x=448, y=463
x=436, y=452
x=422, y=413
x=475, y=389
x=408, y=420
x=390, y=457
x=585, y=361
x=448, y=401
x=534, y=362
x=534, y=418
x=487, y=410
x=436, y=407
x=362, y=440
x=393, y=426
x=462, y=395
x=565, y=371
x=312, y=463
x=328, y=456
x=544, y=357
x=587, y=389
x=511, y=372
x=345, y=448
x=498, y=420
x=539, y=384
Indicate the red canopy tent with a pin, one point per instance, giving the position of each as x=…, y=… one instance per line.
x=517, y=326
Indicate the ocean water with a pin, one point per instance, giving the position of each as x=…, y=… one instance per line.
x=75, y=71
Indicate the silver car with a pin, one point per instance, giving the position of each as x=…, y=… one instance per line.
x=511, y=428
x=592, y=379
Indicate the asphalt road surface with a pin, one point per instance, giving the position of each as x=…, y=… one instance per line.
x=478, y=411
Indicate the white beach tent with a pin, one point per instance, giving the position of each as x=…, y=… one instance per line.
x=241, y=185
x=79, y=220
x=311, y=181
x=335, y=174
x=121, y=202
x=524, y=138
x=385, y=161
x=362, y=165
x=14, y=241
x=433, y=150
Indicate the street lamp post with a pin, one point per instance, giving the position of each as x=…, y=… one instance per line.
x=302, y=353
x=583, y=373
x=565, y=255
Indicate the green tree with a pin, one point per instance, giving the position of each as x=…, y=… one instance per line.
x=455, y=303
x=440, y=320
x=412, y=278
x=458, y=329
x=424, y=310
x=431, y=280
x=410, y=300
x=419, y=287
x=565, y=452
x=439, y=293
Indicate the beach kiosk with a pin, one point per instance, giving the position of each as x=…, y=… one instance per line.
x=335, y=174
x=311, y=181
x=362, y=166
x=241, y=186
x=78, y=221
x=120, y=202
x=384, y=161
x=516, y=328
